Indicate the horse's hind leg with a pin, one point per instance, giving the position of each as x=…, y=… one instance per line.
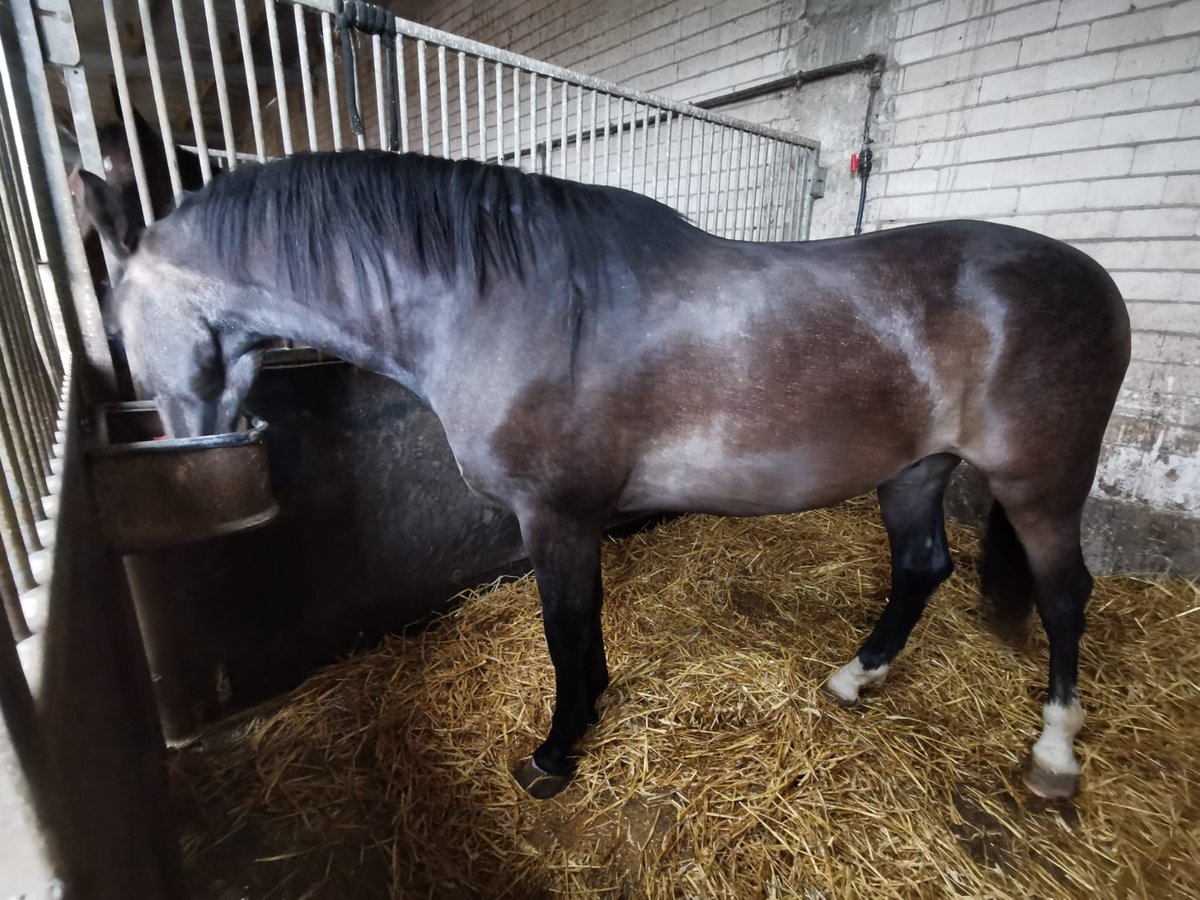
x=911, y=503
x=566, y=560
x=1047, y=520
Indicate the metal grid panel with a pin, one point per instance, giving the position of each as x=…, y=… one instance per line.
x=276, y=84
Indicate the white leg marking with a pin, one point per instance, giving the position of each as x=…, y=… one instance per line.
x=1053, y=750
x=852, y=678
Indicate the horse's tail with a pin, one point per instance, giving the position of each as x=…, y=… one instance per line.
x=1006, y=582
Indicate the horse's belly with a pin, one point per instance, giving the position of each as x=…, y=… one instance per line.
x=682, y=478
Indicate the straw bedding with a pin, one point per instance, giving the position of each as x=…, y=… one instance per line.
x=717, y=769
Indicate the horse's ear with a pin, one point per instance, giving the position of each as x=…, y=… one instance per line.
x=108, y=213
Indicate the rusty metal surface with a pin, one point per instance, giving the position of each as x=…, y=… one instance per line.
x=154, y=492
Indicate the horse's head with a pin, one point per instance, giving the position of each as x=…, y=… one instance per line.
x=177, y=354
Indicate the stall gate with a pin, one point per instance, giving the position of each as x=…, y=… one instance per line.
x=166, y=94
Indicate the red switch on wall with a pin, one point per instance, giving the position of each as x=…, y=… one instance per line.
x=853, y=163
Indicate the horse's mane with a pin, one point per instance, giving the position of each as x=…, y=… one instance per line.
x=457, y=219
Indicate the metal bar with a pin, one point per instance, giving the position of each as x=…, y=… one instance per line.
x=12, y=528
x=335, y=114
x=760, y=186
x=480, y=81
x=11, y=597
x=810, y=172
x=443, y=89
x=402, y=86
x=516, y=80
x=193, y=95
x=214, y=45
x=462, y=106
x=380, y=109
x=578, y=134
x=548, y=143
x=666, y=193
x=791, y=214
x=562, y=131
x=711, y=176
x=281, y=99
x=620, y=141
x=135, y=148
x=592, y=143
x=695, y=149
x=310, y=116
x=494, y=54
x=646, y=150
x=423, y=84
x=15, y=450
x=774, y=233
x=251, y=77
x=499, y=113
x=742, y=208
x=607, y=134
x=160, y=103
x=533, y=106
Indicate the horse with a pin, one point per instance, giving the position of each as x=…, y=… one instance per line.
x=593, y=356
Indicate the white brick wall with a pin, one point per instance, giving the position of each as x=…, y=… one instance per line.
x=1091, y=123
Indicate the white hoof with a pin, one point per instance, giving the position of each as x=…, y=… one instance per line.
x=1054, y=750
x=844, y=686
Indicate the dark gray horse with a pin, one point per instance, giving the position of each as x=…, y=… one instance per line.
x=592, y=356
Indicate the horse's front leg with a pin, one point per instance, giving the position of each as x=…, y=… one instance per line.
x=565, y=553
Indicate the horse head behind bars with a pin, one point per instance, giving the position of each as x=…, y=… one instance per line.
x=592, y=356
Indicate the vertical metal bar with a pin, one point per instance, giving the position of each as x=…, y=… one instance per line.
x=443, y=89
x=760, y=185
x=481, y=82
x=592, y=142
x=160, y=103
x=578, y=133
x=533, y=107
x=695, y=165
x=562, y=131
x=792, y=215
x=646, y=150
x=775, y=227
x=310, y=116
x=658, y=150
x=402, y=86
x=11, y=526
x=549, y=142
x=743, y=190
x=281, y=98
x=709, y=175
x=381, y=117
x=11, y=597
x=607, y=135
x=222, y=88
x=462, y=105
x=500, y=114
x=251, y=78
x=189, y=82
x=15, y=445
x=423, y=89
x=806, y=200
x=335, y=114
x=516, y=80
x=620, y=141
x=135, y=148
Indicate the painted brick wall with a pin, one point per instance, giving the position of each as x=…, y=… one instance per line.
x=1076, y=118
x=1079, y=119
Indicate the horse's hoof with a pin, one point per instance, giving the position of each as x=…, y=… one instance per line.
x=1050, y=785
x=539, y=784
x=838, y=699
